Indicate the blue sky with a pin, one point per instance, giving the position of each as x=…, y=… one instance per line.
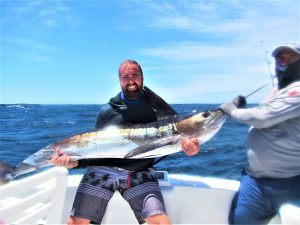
x=68, y=52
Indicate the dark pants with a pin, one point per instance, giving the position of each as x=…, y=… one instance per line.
x=140, y=189
x=259, y=199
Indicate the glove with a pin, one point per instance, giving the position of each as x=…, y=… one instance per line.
x=237, y=102
x=240, y=101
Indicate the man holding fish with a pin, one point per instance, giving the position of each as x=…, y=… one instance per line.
x=133, y=178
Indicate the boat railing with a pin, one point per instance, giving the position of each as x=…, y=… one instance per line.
x=47, y=197
x=37, y=199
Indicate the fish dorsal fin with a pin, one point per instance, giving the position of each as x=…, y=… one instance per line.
x=162, y=108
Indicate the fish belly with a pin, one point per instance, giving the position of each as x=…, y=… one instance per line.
x=108, y=148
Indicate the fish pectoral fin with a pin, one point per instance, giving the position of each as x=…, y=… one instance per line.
x=161, y=142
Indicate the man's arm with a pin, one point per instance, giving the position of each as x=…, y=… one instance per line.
x=276, y=111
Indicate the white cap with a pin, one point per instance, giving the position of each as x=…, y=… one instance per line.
x=291, y=46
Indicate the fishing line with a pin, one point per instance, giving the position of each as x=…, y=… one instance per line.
x=268, y=62
x=256, y=90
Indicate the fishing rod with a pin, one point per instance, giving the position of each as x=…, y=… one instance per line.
x=268, y=62
x=271, y=75
x=256, y=90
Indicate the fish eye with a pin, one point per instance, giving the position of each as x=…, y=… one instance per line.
x=206, y=114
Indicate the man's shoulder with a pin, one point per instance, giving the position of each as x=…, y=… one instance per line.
x=112, y=107
x=292, y=90
x=295, y=86
x=105, y=115
x=106, y=108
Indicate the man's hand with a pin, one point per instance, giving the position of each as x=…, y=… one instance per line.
x=240, y=101
x=190, y=146
x=63, y=160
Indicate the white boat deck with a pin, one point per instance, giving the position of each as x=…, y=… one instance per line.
x=47, y=197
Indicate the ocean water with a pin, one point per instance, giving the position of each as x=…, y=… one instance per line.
x=26, y=128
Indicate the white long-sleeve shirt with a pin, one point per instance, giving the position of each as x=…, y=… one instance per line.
x=274, y=135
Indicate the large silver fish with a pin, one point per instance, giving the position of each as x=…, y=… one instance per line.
x=137, y=141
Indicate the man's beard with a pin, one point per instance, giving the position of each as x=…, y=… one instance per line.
x=290, y=75
x=133, y=94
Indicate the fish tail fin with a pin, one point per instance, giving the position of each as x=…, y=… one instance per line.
x=6, y=172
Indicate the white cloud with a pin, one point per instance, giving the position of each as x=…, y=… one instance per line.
x=53, y=9
x=28, y=50
x=31, y=15
x=226, y=52
x=190, y=50
x=213, y=88
x=51, y=23
x=235, y=19
x=187, y=51
x=29, y=44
